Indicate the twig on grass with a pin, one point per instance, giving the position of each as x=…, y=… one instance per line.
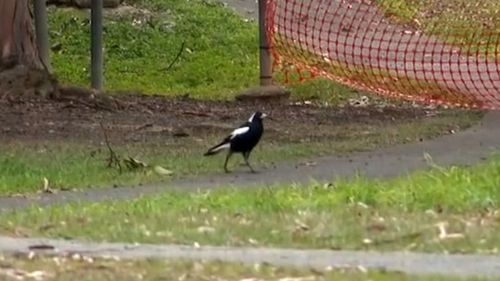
x=113, y=159
x=179, y=53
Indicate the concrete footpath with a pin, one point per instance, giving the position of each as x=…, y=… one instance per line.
x=466, y=266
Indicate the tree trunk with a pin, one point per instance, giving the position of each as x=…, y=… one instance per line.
x=16, y=33
x=21, y=68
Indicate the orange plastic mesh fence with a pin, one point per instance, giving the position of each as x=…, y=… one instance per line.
x=430, y=51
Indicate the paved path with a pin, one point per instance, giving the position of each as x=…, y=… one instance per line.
x=410, y=263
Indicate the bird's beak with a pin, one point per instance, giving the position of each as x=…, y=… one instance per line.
x=263, y=115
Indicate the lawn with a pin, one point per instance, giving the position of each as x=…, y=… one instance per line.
x=175, y=48
x=85, y=268
x=218, y=49
x=452, y=210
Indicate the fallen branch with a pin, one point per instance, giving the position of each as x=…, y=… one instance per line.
x=197, y=113
x=113, y=159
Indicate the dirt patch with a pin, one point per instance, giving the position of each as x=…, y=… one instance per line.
x=152, y=118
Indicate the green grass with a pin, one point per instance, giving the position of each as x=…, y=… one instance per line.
x=84, y=268
x=396, y=214
x=401, y=9
x=219, y=55
x=23, y=166
x=323, y=90
x=220, y=48
x=472, y=25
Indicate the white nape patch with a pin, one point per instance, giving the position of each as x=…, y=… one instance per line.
x=251, y=118
x=239, y=131
x=224, y=146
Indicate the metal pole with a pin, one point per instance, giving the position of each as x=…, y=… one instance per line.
x=265, y=53
x=42, y=31
x=96, y=44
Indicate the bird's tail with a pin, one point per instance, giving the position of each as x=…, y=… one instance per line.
x=216, y=149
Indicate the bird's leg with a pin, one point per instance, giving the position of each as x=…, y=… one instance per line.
x=245, y=156
x=227, y=159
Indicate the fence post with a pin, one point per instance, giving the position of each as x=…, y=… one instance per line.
x=42, y=31
x=265, y=53
x=96, y=44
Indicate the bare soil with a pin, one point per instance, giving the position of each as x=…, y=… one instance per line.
x=137, y=118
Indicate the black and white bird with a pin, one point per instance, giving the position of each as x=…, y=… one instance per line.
x=242, y=140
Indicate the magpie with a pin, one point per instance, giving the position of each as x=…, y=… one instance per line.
x=242, y=140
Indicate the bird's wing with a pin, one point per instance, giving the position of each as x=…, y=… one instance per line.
x=226, y=142
x=239, y=131
x=245, y=127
